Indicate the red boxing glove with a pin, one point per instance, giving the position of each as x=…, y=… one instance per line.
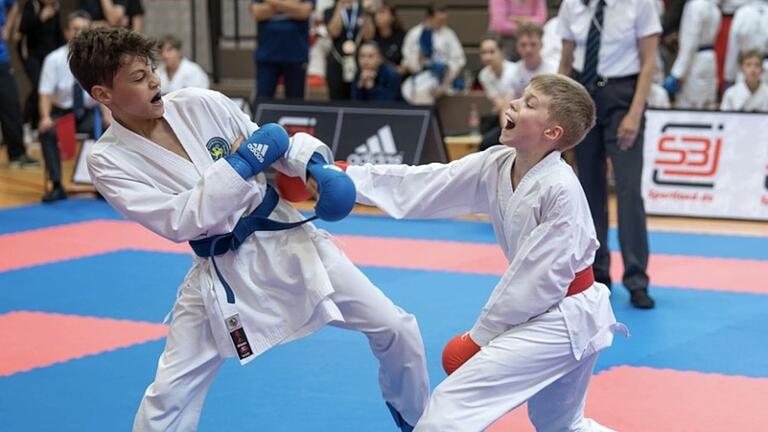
x=291, y=188
x=342, y=164
x=457, y=351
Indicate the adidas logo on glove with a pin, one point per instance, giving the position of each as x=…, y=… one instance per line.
x=258, y=150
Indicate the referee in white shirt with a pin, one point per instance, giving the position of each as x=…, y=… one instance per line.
x=610, y=47
x=59, y=95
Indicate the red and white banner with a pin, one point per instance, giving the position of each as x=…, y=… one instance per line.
x=706, y=163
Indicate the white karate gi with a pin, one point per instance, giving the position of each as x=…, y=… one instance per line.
x=749, y=30
x=420, y=88
x=537, y=344
x=738, y=97
x=697, y=67
x=287, y=284
x=188, y=74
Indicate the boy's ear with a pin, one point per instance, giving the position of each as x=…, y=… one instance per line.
x=554, y=133
x=101, y=94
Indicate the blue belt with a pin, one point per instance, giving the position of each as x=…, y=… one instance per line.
x=706, y=48
x=256, y=221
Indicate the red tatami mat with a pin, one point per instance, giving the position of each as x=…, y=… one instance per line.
x=37, y=339
x=667, y=400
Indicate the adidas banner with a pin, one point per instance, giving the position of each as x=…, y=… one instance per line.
x=706, y=163
x=370, y=132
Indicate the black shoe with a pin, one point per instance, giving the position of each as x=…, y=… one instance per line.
x=641, y=300
x=24, y=161
x=55, y=194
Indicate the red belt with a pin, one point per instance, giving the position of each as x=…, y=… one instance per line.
x=583, y=280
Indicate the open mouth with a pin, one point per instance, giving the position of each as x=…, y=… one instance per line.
x=510, y=124
x=156, y=98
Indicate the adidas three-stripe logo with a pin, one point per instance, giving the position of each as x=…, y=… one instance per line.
x=258, y=150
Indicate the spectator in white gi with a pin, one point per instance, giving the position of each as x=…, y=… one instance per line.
x=176, y=71
x=749, y=30
x=433, y=54
x=528, y=44
x=59, y=94
x=693, y=78
x=751, y=94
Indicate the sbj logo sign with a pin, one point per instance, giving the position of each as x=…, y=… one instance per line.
x=688, y=154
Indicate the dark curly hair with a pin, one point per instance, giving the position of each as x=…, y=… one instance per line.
x=95, y=55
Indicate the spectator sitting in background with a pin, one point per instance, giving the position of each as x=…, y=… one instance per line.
x=751, y=94
x=176, y=72
x=433, y=53
x=496, y=79
x=59, y=95
x=506, y=15
x=376, y=80
x=389, y=35
x=528, y=45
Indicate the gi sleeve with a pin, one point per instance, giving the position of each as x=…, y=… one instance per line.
x=300, y=149
x=211, y=207
x=539, y=274
x=690, y=28
x=425, y=191
x=731, y=64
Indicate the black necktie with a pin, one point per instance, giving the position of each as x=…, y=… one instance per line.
x=77, y=101
x=589, y=73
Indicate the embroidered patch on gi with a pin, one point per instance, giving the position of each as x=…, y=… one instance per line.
x=237, y=333
x=218, y=147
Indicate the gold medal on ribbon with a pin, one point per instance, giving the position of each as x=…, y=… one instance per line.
x=349, y=47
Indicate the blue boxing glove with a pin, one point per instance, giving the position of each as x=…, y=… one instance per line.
x=335, y=190
x=671, y=85
x=265, y=145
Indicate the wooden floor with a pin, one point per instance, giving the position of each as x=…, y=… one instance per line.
x=20, y=187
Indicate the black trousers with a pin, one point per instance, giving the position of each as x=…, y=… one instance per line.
x=49, y=143
x=10, y=113
x=612, y=102
x=33, y=66
x=294, y=76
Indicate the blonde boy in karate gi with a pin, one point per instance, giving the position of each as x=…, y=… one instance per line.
x=538, y=337
x=168, y=164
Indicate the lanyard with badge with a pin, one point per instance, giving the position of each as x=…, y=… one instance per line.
x=349, y=17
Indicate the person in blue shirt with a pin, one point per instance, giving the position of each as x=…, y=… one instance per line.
x=10, y=110
x=376, y=80
x=283, y=45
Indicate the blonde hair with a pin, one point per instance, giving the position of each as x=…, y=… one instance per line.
x=570, y=106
